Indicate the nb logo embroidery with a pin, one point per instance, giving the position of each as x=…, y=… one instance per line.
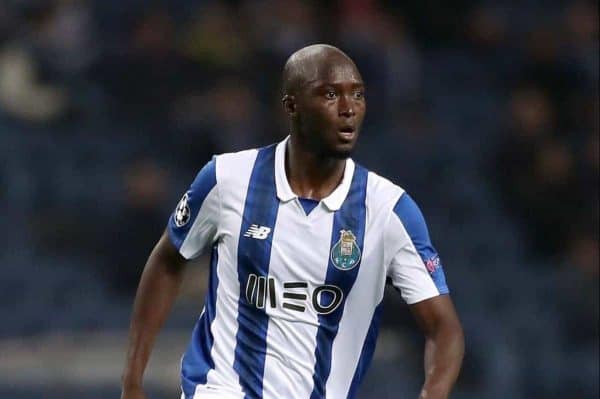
x=258, y=232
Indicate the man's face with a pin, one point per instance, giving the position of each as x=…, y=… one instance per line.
x=330, y=109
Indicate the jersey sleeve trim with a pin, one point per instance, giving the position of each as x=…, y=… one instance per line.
x=414, y=223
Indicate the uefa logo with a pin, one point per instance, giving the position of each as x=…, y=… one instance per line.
x=182, y=212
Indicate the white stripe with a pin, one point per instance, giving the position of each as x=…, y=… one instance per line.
x=300, y=253
x=360, y=304
x=233, y=175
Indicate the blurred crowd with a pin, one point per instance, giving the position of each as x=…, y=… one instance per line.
x=486, y=111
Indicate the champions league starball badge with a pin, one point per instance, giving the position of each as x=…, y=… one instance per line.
x=345, y=254
x=182, y=212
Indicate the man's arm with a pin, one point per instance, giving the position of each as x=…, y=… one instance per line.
x=157, y=291
x=444, y=345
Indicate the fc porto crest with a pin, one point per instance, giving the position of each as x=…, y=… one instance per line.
x=345, y=254
x=182, y=212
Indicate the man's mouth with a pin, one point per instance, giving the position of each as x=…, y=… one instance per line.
x=346, y=132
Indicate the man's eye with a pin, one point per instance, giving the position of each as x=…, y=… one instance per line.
x=330, y=94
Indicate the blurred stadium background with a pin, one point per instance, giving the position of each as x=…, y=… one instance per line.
x=486, y=111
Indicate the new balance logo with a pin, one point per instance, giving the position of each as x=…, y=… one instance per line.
x=258, y=232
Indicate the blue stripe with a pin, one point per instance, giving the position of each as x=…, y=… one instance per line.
x=197, y=362
x=201, y=186
x=351, y=216
x=412, y=218
x=253, y=258
x=367, y=352
x=308, y=204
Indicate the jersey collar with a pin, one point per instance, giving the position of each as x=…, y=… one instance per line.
x=284, y=192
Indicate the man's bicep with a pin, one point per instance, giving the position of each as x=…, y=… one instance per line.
x=415, y=269
x=193, y=224
x=431, y=312
x=167, y=251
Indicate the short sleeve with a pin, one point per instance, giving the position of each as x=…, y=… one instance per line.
x=193, y=225
x=415, y=268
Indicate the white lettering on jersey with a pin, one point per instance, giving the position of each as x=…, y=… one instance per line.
x=258, y=232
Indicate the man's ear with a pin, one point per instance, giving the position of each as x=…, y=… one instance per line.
x=289, y=104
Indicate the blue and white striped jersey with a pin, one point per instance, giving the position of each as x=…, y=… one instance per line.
x=294, y=297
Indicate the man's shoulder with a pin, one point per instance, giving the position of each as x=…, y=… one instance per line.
x=233, y=169
x=230, y=164
x=247, y=155
x=381, y=189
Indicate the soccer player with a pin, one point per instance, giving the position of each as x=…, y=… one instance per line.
x=303, y=241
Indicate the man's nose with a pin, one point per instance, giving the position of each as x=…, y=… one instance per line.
x=345, y=107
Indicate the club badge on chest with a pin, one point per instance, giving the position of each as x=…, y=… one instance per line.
x=345, y=254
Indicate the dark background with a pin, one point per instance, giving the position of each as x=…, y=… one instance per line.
x=485, y=111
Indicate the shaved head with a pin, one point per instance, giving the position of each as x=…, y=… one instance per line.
x=323, y=96
x=309, y=63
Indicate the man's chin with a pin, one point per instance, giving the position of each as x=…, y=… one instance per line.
x=341, y=152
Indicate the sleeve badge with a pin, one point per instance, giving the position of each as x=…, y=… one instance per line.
x=182, y=212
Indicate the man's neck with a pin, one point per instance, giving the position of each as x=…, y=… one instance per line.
x=311, y=175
